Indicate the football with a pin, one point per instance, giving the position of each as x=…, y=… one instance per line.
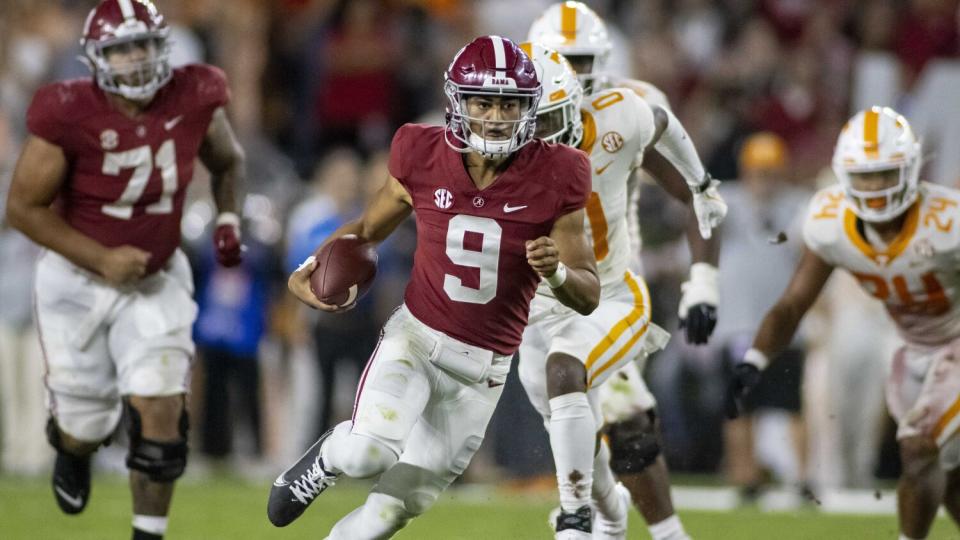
x=345, y=270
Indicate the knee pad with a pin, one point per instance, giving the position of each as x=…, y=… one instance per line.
x=359, y=456
x=161, y=461
x=53, y=436
x=634, y=444
x=416, y=487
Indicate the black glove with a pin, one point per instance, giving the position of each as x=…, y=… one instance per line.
x=699, y=323
x=745, y=378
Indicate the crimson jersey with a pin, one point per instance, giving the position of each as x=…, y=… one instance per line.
x=471, y=279
x=127, y=177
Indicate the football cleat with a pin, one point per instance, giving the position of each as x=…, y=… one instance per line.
x=575, y=525
x=71, y=482
x=297, y=487
x=614, y=529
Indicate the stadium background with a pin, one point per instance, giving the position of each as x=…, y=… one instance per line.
x=319, y=86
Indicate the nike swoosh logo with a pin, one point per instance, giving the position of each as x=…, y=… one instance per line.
x=510, y=209
x=280, y=482
x=599, y=170
x=75, y=502
x=170, y=124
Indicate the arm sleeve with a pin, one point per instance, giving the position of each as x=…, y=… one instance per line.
x=43, y=115
x=580, y=184
x=399, y=164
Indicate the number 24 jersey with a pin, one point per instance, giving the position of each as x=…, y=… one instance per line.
x=917, y=276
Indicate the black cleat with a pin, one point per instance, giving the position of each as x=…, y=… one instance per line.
x=577, y=524
x=71, y=482
x=297, y=487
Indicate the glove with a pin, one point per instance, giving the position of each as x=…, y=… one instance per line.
x=226, y=240
x=698, y=303
x=710, y=208
x=745, y=378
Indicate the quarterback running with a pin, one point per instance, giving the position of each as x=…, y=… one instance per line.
x=496, y=212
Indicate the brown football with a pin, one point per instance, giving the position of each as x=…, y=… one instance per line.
x=345, y=270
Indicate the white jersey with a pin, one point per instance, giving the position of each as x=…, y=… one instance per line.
x=617, y=126
x=654, y=97
x=915, y=276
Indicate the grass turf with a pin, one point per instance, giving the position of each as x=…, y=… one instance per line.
x=230, y=509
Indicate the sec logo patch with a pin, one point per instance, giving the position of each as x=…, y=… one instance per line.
x=442, y=198
x=612, y=141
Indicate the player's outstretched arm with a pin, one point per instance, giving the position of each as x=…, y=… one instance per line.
x=389, y=207
x=779, y=325
x=566, y=262
x=698, y=303
x=37, y=179
x=223, y=156
x=671, y=141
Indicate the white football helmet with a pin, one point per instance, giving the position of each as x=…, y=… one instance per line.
x=574, y=30
x=558, y=112
x=875, y=140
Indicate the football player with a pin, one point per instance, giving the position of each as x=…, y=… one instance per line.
x=574, y=30
x=900, y=239
x=100, y=183
x=567, y=360
x=496, y=211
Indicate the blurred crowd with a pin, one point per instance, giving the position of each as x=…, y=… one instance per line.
x=319, y=86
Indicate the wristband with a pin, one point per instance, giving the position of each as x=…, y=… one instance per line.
x=706, y=184
x=756, y=358
x=306, y=263
x=228, y=218
x=558, y=277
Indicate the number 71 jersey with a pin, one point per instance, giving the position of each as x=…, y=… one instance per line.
x=127, y=177
x=470, y=278
x=916, y=276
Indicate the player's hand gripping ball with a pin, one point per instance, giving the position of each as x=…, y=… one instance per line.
x=345, y=271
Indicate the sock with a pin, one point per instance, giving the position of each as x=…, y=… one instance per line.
x=572, y=438
x=149, y=527
x=669, y=529
x=381, y=516
x=605, y=498
x=905, y=537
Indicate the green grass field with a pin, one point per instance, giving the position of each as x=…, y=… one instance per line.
x=230, y=509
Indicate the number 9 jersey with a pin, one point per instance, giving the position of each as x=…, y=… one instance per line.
x=915, y=276
x=127, y=177
x=470, y=278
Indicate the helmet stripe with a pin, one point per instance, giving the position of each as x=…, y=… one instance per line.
x=527, y=47
x=568, y=21
x=126, y=8
x=499, y=54
x=871, y=124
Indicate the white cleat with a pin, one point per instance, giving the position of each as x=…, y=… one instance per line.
x=613, y=529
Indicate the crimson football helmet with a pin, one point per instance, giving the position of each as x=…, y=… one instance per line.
x=124, y=26
x=490, y=66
